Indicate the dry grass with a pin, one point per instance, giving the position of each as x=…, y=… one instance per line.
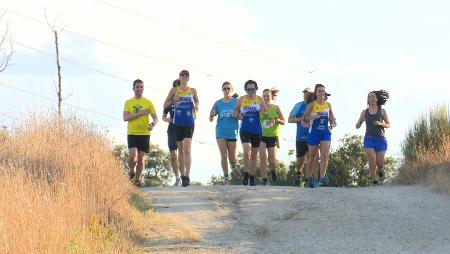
x=63, y=191
x=426, y=150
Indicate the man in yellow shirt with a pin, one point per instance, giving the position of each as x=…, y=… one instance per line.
x=136, y=112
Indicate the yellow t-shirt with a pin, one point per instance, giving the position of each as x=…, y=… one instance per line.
x=139, y=126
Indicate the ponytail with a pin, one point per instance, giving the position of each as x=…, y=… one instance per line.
x=382, y=96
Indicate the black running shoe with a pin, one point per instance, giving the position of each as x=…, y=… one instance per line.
x=381, y=175
x=264, y=182
x=298, y=179
x=252, y=181
x=183, y=181
x=188, y=181
x=245, y=181
x=375, y=183
x=274, y=176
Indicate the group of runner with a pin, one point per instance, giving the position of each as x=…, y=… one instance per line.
x=259, y=131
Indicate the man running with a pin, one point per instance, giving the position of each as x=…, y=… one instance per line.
x=301, y=140
x=136, y=111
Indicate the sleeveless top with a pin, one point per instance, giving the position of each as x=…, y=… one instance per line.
x=371, y=129
x=267, y=130
x=320, y=125
x=250, y=109
x=183, y=108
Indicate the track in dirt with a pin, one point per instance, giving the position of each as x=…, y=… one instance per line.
x=238, y=219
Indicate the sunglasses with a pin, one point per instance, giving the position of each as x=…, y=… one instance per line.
x=250, y=90
x=226, y=89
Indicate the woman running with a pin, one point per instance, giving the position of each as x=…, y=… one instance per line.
x=248, y=108
x=185, y=102
x=171, y=142
x=375, y=142
x=321, y=117
x=270, y=133
x=226, y=128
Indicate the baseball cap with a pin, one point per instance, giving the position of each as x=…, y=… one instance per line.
x=307, y=89
x=184, y=73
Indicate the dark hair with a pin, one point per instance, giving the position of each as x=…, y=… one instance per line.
x=309, y=97
x=176, y=83
x=249, y=82
x=137, y=81
x=315, y=90
x=382, y=97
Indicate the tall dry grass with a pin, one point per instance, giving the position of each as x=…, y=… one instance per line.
x=62, y=191
x=426, y=151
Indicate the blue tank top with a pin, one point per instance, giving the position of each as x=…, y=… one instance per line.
x=298, y=111
x=251, y=122
x=320, y=125
x=184, y=113
x=227, y=125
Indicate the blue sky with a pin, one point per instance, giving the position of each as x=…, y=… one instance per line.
x=352, y=47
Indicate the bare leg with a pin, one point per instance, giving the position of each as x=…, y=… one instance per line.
x=132, y=160
x=246, y=156
x=222, y=143
x=380, y=161
x=312, y=153
x=187, y=155
x=263, y=159
x=181, y=158
x=174, y=162
x=253, y=160
x=231, y=147
x=371, y=158
x=324, y=154
x=140, y=165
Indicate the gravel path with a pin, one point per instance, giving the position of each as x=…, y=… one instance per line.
x=238, y=219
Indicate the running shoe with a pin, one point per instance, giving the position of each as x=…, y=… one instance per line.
x=375, y=183
x=298, y=179
x=311, y=183
x=246, y=177
x=225, y=180
x=324, y=181
x=177, y=182
x=183, y=181
x=252, y=181
x=264, y=182
x=381, y=175
x=131, y=175
x=274, y=176
x=188, y=181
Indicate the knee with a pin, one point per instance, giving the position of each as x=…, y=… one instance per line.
x=186, y=151
x=272, y=164
x=173, y=156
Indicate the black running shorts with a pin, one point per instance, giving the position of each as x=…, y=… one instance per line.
x=141, y=142
x=270, y=141
x=302, y=148
x=254, y=139
x=182, y=132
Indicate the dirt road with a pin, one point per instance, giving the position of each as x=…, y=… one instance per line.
x=238, y=219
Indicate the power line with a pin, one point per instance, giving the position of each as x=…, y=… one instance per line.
x=83, y=65
x=109, y=44
x=191, y=33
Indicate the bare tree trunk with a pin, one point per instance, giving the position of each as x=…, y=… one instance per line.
x=59, y=92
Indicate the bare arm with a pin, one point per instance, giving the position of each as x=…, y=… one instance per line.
x=386, y=123
x=307, y=116
x=332, y=118
x=263, y=106
x=155, y=121
x=127, y=116
x=194, y=93
x=237, y=107
x=361, y=119
x=213, y=113
x=169, y=99
x=280, y=119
